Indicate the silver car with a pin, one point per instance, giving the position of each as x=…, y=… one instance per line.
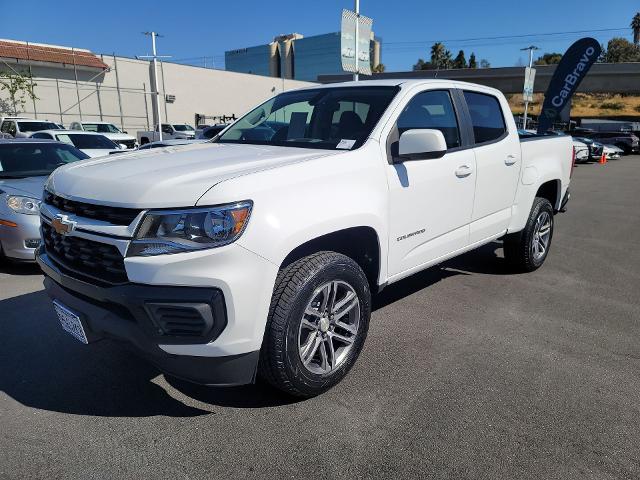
x=25, y=165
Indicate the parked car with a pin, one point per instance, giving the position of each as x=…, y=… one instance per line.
x=93, y=144
x=210, y=132
x=200, y=128
x=24, y=167
x=259, y=253
x=581, y=151
x=627, y=141
x=612, y=152
x=169, y=143
x=169, y=131
x=595, y=148
x=22, y=128
x=107, y=129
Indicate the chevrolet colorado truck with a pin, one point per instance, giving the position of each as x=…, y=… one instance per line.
x=257, y=254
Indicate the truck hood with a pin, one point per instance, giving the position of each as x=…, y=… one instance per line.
x=171, y=176
x=30, y=186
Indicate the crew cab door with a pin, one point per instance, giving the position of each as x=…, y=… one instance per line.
x=498, y=163
x=430, y=201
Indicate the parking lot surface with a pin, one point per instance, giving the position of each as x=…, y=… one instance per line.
x=468, y=371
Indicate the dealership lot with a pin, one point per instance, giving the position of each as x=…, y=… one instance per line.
x=468, y=372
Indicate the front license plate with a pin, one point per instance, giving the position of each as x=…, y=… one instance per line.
x=70, y=322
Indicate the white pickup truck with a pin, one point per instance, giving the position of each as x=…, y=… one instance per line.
x=170, y=131
x=258, y=254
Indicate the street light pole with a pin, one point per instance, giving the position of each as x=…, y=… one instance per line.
x=356, y=76
x=531, y=48
x=156, y=94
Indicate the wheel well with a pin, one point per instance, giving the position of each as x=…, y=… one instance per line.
x=144, y=141
x=549, y=190
x=359, y=243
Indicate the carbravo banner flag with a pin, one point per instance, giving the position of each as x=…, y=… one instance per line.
x=573, y=67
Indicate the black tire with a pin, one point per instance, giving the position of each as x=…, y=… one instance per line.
x=280, y=362
x=144, y=141
x=519, y=248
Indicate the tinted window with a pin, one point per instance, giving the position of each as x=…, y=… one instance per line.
x=434, y=110
x=486, y=116
x=183, y=127
x=323, y=118
x=35, y=159
x=5, y=127
x=211, y=132
x=42, y=135
x=100, y=128
x=36, y=126
x=87, y=141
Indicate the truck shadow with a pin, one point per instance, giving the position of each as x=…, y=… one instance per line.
x=43, y=367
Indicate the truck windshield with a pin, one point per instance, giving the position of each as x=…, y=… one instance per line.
x=182, y=127
x=100, y=128
x=326, y=118
x=20, y=160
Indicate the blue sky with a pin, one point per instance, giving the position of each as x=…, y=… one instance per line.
x=408, y=27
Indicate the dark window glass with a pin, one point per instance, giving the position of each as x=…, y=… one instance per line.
x=211, y=132
x=486, y=116
x=36, y=126
x=325, y=118
x=35, y=159
x=87, y=141
x=434, y=110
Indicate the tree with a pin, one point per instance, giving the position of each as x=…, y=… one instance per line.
x=460, y=61
x=472, y=61
x=440, y=56
x=635, y=25
x=422, y=65
x=484, y=63
x=548, y=59
x=378, y=68
x=19, y=87
x=622, y=50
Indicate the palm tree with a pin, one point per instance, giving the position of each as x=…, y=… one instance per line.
x=635, y=25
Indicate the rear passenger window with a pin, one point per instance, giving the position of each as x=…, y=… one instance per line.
x=431, y=109
x=486, y=116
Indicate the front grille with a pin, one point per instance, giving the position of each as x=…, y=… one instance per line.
x=115, y=215
x=128, y=143
x=91, y=259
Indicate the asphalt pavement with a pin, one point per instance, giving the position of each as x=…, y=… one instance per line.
x=468, y=372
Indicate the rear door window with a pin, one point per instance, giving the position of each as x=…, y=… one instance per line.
x=486, y=117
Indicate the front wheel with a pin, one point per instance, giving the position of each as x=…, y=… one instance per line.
x=528, y=249
x=317, y=325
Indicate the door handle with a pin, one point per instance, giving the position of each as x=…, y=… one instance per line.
x=463, y=171
x=510, y=160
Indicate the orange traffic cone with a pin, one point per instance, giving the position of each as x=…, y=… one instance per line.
x=603, y=159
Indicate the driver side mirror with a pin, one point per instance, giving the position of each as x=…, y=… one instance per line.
x=421, y=144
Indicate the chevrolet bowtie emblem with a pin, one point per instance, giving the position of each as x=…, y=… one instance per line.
x=62, y=225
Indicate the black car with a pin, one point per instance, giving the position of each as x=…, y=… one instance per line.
x=627, y=141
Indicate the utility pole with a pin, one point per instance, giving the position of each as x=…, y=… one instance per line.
x=531, y=48
x=356, y=76
x=156, y=94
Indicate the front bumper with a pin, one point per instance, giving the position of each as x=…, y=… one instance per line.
x=121, y=312
x=16, y=242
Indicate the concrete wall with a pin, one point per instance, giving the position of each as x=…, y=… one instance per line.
x=122, y=94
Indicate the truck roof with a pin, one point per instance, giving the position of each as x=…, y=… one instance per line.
x=404, y=82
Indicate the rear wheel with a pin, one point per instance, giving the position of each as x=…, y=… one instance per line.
x=318, y=322
x=528, y=249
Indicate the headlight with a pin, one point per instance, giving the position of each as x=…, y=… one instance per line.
x=176, y=231
x=26, y=205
